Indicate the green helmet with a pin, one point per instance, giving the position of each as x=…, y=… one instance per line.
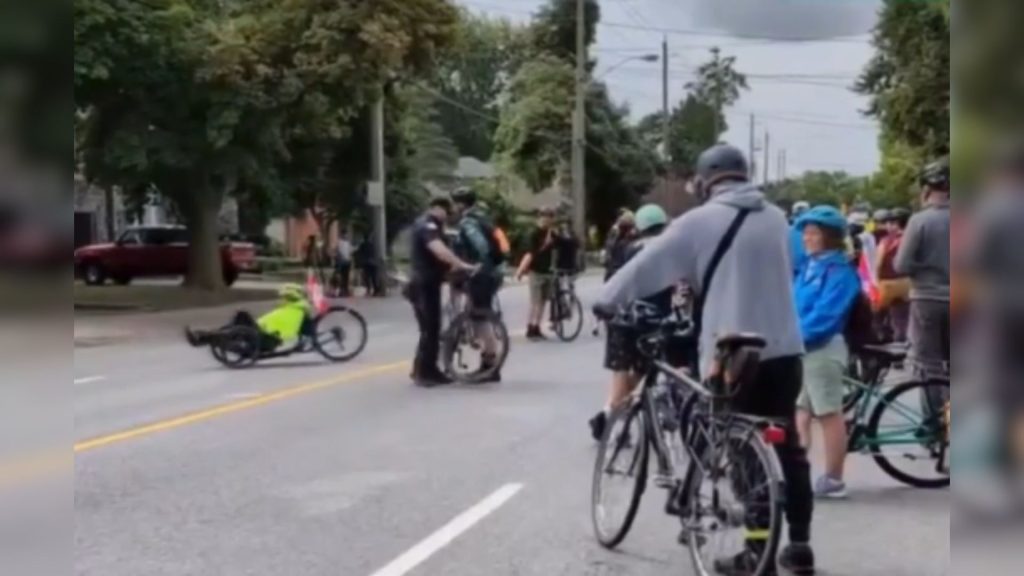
x=649, y=216
x=292, y=293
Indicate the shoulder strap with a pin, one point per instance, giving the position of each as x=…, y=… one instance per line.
x=716, y=259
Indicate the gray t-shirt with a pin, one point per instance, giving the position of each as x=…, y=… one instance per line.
x=924, y=254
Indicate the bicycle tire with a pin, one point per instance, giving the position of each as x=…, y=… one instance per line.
x=321, y=345
x=463, y=325
x=574, y=313
x=771, y=468
x=237, y=347
x=612, y=539
x=873, y=431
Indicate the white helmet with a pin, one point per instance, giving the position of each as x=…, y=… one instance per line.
x=801, y=207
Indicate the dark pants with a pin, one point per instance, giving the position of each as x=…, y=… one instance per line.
x=426, y=303
x=343, y=270
x=773, y=395
x=371, y=280
x=930, y=343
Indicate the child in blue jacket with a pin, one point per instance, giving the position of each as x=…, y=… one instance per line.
x=826, y=288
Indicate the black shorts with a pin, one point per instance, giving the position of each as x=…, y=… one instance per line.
x=482, y=289
x=622, y=354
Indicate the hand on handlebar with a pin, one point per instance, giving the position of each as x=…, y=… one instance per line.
x=605, y=312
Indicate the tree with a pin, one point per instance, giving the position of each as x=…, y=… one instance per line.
x=193, y=99
x=534, y=135
x=718, y=85
x=908, y=79
x=472, y=77
x=833, y=188
x=693, y=128
x=553, y=31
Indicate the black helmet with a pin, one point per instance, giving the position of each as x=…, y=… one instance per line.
x=900, y=215
x=936, y=176
x=465, y=196
x=718, y=163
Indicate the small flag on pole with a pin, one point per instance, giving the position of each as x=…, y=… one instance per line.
x=316, y=292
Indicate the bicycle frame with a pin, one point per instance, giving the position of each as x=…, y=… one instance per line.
x=871, y=395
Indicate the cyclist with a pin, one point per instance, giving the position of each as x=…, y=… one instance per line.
x=826, y=288
x=431, y=260
x=538, y=263
x=796, y=239
x=620, y=349
x=290, y=320
x=479, y=246
x=753, y=292
x=924, y=257
x=894, y=288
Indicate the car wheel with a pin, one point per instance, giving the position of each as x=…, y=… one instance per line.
x=93, y=274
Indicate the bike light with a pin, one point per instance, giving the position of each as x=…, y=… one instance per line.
x=774, y=435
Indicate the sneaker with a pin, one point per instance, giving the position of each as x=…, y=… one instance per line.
x=742, y=564
x=432, y=380
x=597, y=426
x=798, y=559
x=828, y=487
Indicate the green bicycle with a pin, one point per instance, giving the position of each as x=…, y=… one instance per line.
x=904, y=428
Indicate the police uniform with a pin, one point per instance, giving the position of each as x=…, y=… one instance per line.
x=425, y=293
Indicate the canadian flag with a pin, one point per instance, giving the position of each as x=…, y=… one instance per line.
x=867, y=280
x=316, y=292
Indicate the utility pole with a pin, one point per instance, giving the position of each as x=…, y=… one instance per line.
x=767, y=155
x=666, y=120
x=780, y=171
x=579, y=127
x=375, y=191
x=718, y=88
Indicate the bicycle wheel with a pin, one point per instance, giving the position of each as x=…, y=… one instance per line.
x=733, y=507
x=569, y=322
x=908, y=444
x=341, y=334
x=620, y=475
x=237, y=347
x=465, y=344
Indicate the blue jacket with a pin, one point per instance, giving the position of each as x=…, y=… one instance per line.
x=796, y=248
x=825, y=288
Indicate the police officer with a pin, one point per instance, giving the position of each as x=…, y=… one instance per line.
x=431, y=260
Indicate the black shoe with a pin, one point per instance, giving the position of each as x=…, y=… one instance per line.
x=798, y=559
x=743, y=564
x=432, y=380
x=535, y=335
x=196, y=338
x=598, y=424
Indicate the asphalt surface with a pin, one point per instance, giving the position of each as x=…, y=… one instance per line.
x=300, y=468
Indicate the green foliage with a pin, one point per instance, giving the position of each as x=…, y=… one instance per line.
x=692, y=129
x=833, y=188
x=718, y=85
x=909, y=77
x=554, y=28
x=475, y=72
x=197, y=99
x=534, y=136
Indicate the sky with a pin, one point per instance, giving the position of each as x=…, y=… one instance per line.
x=800, y=56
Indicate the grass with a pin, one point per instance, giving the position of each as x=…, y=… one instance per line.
x=160, y=298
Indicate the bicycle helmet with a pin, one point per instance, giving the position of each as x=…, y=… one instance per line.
x=882, y=215
x=824, y=217
x=650, y=216
x=464, y=196
x=292, y=293
x=859, y=219
x=720, y=162
x=936, y=176
x=800, y=207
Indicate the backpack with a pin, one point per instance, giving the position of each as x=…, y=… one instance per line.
x=499, y=249
x=860, y=324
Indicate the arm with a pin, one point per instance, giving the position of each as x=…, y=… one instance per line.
x=662, y=263
x=828, y=316
x=524, y=265
x=441, y=251
x=906, y=262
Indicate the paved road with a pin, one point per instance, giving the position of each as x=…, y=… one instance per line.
x=303, y=469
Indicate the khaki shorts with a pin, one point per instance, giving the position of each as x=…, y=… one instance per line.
x=542, y=287
x=824, y=370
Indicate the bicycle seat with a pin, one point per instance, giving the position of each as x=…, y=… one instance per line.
x=733, y=342
x=889, y=353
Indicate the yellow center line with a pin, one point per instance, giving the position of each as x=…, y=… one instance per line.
x=232, y=407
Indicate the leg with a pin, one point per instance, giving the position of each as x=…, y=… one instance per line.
x=536, y=306
x=824, y=371
x=803, y=427
x=429, y=318
x=833, y=428
x=929, y=338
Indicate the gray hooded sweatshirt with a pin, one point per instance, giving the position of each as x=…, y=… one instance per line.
x=752, y=290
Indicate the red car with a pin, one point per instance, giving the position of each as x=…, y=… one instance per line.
x=153, y=251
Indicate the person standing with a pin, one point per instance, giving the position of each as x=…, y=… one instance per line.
x=432, y=259
x=366, y=259
x=826, y=288
x=538, y=263
x=924, y=257
x=894, y=288
x=619, y=240
x=752, y=292
x=343, y=264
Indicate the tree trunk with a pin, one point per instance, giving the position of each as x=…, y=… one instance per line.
x=205, y=271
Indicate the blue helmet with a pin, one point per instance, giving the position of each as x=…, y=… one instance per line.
x=823, y=216
x=650, y=216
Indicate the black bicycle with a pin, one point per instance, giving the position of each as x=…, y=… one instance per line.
x=566, y=308
x=723, y=478
x=475, y=343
